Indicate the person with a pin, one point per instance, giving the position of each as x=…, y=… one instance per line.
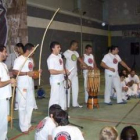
x=45, y=128
x=108, y=133
x=25, y=88
x=89, y=59
x=110, y=64
x=57, y=71
x=5, y=93
x=71, y=56
x=124, y=72
x=18, y=50
x=135, y=83
x=129, y=133
x=64, y=130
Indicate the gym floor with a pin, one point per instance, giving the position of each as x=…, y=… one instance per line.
x=92, y=120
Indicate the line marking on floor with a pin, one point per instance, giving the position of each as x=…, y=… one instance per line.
x=102, y=120
x=23, y=134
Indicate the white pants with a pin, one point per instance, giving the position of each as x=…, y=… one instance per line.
x=85, y=86
x=57, y=95
x=4, y=112
x=134, y=89
x=115, y=80
x=26, y=103
x=75, y=89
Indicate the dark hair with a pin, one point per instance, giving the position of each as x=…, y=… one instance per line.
x=121, y=74
x=53, y=109
x=52, y=45
x=132, y=70
x=129, y=133
x=62, y=118
x=113, y=48
x=20, y=45
x=88, y=46
x=28, y=46
x=73, y=42
x=2, y=47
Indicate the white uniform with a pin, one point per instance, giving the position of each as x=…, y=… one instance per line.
x=44, y=129
x=67, y=133
x=57, y=95
x=25, y=92
x=135, y=86
x=5, y=94
x=71, y=62
x=89, y=60
x=112, y=77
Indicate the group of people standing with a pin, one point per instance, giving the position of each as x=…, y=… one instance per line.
x=24, y=89
x=61, y=67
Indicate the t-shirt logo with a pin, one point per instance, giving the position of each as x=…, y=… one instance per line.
x=60, y=61
x=63, y=136
x=90, y=61
x=115, y=61
x=73, y=57
x=30, y=66
x=40, y=125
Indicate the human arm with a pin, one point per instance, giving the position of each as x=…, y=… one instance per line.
x=5, y=83
x=50, y=137
x=125, y=65
x=106, y=67
x=56, y=72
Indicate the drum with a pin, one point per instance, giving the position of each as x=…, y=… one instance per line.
x=36, y=74
x=93, y=86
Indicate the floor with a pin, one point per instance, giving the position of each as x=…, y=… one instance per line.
x=92, y=120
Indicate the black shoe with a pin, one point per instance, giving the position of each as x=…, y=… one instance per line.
x=128, y=98
x=110, y=103
x=122, y=102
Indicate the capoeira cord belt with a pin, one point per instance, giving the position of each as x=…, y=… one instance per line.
x=127, y=114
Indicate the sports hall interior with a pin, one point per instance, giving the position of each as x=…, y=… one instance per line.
x=100, y=23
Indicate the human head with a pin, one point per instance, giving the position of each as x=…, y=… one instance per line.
x=88, y=49
x=3, y=52
x=132, y=73
x=124, y=72
x=73, y=45
x=55, y=47
x=19, y=48
x=54, y=109
x=122, y=76
x=28, y=48
x=62, y=118
x=129, y=133
x=108, y=133
x=114, y=49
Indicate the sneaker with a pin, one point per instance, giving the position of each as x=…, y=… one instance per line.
x=110, y=103
x=124, y=102
x=79, y=106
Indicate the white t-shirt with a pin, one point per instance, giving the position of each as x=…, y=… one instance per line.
x=24, y=81
x=71, y=60
x=55, y=62
x=44, y=128
x=111, y=61
x=135, y=78
x=67, y=133
x=5, y=92
x=89, y=60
